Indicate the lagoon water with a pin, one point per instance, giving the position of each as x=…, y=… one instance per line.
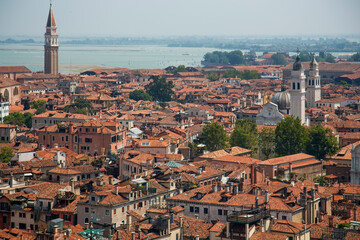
x=77, y=58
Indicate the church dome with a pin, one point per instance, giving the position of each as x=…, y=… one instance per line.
x=282, y=99
x=297, y=64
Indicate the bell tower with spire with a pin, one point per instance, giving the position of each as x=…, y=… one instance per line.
x=297, y=90
x=51, y=45
x=313, y=91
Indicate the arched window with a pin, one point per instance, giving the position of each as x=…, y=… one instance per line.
x=293, y=85
x=6, y=94
x=313, y=82
x=86, y=220
x=298, y=85
x=16, y=91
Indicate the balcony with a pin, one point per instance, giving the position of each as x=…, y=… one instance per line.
x=249, y=216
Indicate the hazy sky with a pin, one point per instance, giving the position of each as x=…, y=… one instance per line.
x=182, y=17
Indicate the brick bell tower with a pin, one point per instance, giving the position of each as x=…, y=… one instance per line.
x=51, y=45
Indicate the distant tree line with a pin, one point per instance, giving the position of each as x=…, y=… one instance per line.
x=322, y=57
x=355, y=58
x=246, y=74
x=235, y=57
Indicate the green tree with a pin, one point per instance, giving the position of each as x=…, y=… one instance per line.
x=39, y=104
x=6, y=154
x=279, y=59
x=355, y=58
x=267, y=143
x=212, y=77
x=40, y=110
x=250, y=56
x=19, y=119
x=180, y=68
x=290, y=137
x=139, y=94
x=15, y=118
x=236, y=57
x=214, y=137
x=245, y=134
x=249, y=74
x=160, y=89
x=231, y=73
x=321, y=180
x=79, y=104
x=321, y=142
x=28, y=119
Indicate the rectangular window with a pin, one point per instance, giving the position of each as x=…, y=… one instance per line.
x=206, y=210
x=114, y=211
x=225, y=212
x=66, y=138
x=220, y=212
x=88, y=140
x=283, y=217
x=196, y=209
x=191, y=209
x=107, y=212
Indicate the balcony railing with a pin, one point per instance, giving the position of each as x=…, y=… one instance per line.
x=249, y=216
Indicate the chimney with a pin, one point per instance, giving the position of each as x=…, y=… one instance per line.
x=128, y=222
x=241, y=187
x=268, y=182
x=110, y=180
x=321, y=216
x=61, y=181
x=290, y=168
x=116, y=190
x=331, y=221
x=235, y=189
x=219, y=187
x=145, y=173
x=214, y=187
x=72, y=183
x=227, y=188
x=197, y=216
x=133, y=236
x=266, y=197
x=313, y=194
x=197, y=237
x=317, y=187
x=199, y=170
x=355, y=219
x=252, y=174
x=296, y=178
x=168, y=225
x=181, y=221
x=56, y=145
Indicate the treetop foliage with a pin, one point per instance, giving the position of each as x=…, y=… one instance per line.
x=140, y=94
x=160, y=89
x=214, y=137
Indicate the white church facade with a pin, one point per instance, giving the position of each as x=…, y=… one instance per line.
x=293, y=102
